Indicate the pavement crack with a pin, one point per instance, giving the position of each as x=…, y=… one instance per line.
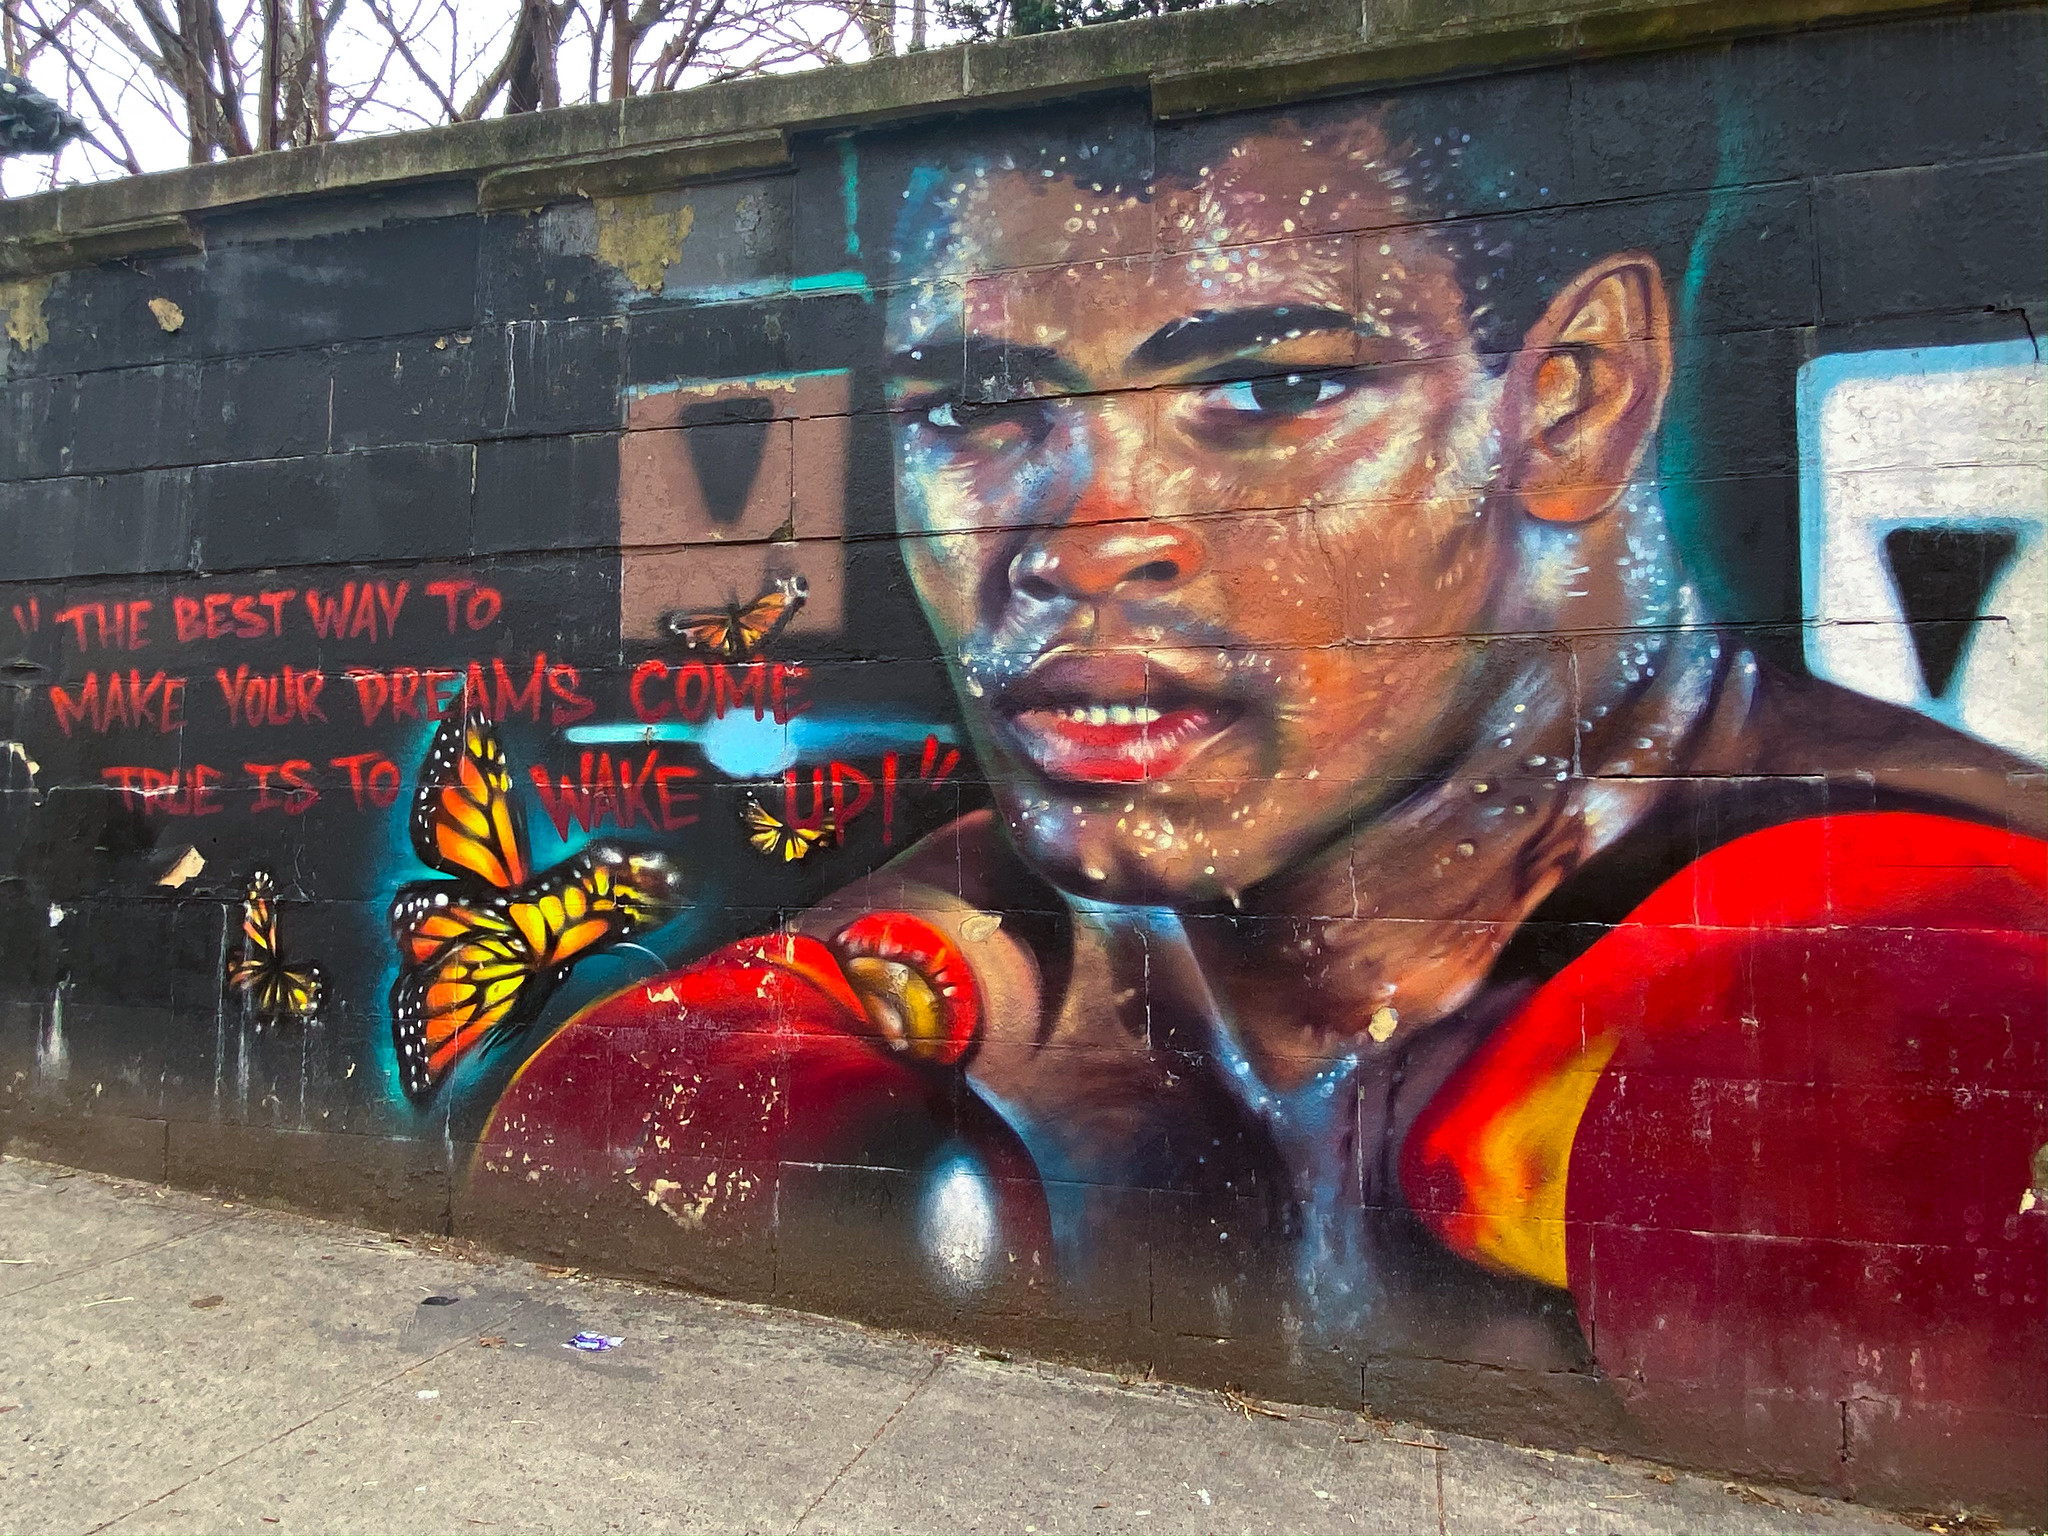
x=467, y=1338
x=872, y=1441
x=121, y=1258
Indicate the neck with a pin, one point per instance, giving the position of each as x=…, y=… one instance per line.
x=1577, y=735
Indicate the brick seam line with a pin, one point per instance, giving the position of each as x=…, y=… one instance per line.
x=873, y=1440
x=468, y=1340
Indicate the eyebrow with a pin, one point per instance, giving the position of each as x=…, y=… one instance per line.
x=946, y=356
x=1211, y=333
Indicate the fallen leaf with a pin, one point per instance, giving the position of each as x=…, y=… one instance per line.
x=201, y=1303
x=168, y=315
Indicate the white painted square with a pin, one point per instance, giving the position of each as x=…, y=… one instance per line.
x=1926, y=437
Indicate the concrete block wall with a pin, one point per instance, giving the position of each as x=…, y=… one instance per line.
x=1360, y=717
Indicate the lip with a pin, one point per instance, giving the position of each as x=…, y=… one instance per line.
x=1111, y=719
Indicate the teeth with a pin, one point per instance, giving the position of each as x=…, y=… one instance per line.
x=1109, y=714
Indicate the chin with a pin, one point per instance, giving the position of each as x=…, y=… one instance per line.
x=1113, y=868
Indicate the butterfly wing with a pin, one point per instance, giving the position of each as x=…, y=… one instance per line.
x=259, y=932
x=764, y=618
x=702, y=631
x=464, y=819
x=292, y=989
x=462, y=970
x=469, y=967
x=259, y=972
x=738, y=633
x=770, y=834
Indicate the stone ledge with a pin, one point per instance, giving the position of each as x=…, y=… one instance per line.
x=1192, y=62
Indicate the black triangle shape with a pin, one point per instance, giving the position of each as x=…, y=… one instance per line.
x=726, y=450
x=1941, y=573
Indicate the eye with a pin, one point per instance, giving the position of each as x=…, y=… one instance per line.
x=959, y=415
x=989, y=425
x=1278, y=394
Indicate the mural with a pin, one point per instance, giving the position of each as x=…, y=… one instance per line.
x=1326, y=750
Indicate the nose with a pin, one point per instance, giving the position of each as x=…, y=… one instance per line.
x=1092, y=561
x=1110, y=542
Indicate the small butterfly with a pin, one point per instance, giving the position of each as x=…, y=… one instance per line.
x=736, y=632
x=777, y=838
x=480, y=952
x=272, y=989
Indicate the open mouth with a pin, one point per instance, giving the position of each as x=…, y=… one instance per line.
x=1111, y=720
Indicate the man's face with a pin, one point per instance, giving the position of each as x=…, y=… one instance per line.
x=1200, y=572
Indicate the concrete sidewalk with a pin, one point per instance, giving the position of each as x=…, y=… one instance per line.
x=182, y=1364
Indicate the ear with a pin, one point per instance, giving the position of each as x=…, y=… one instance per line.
x=1585, y=393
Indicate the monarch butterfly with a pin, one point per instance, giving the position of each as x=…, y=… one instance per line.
x=480, y=952
x=739, y=633
x=780, y=839
x=272, y=989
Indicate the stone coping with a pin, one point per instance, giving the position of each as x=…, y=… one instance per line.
x=1191, y=63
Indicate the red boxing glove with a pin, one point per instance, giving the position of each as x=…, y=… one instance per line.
x=1776, y=1133
x=790, y=1097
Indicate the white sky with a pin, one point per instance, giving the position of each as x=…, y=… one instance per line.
x=457, y=40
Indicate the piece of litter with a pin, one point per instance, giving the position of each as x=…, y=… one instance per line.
x=439, y=1301
x=558, y=1271
x=108, y=1301
x=1203, y=1495
x=1319, y=1493
x=594, y=1343
x=429, y=1392
x=202, y=1303
x=491, y=1340
x=17, y=1261
x=169, y=316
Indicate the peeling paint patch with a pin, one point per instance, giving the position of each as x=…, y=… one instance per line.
x=190, y=862
x=29, y=765
x=21, y=301
x=640, y=238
